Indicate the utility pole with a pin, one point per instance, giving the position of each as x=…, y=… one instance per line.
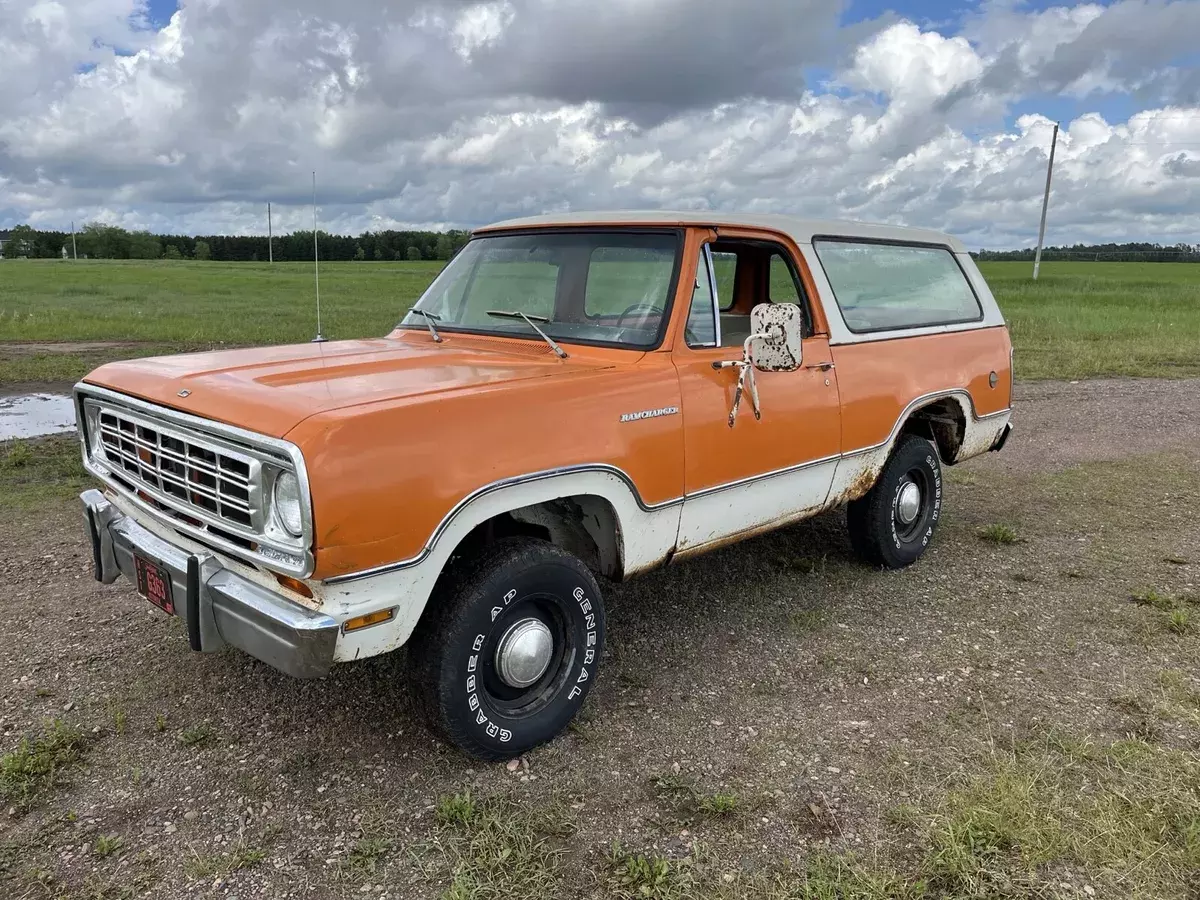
x=74, y=252
x=1037, y=260
x=320, y=338
x=270, y=248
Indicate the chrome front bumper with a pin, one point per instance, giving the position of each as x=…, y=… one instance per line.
x=219, y=606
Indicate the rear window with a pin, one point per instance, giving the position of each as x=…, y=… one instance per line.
x=880, y=287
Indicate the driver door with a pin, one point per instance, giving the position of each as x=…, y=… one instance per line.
x=759, y=473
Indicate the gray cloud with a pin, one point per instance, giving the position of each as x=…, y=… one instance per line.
x=440, y=112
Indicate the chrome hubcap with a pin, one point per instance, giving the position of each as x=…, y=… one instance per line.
x=524, y=653
x=908, y=503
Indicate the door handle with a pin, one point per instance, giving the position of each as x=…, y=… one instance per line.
x=823, y=366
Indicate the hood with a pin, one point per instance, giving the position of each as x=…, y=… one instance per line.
x=270, y=390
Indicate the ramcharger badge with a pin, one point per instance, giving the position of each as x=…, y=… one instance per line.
x=650, y=414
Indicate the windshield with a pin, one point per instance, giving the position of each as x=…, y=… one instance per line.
x=587, y=287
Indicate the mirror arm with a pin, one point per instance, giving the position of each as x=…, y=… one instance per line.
x=746, y=380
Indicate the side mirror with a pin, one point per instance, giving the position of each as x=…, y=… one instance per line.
x=778, y=330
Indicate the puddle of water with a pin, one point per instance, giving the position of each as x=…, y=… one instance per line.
x=34, y=415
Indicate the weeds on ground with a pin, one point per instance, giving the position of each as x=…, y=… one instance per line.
x=106, y=845
x=37, y=764
x=687, y=802
x=195, y=735
x=1126, y=813
x=1177, y=617
x=1179, y=621
x=722, y=803
x=998, y=534
x=366, y=858
x=496, y=848
x=220, y=864
x=806, y=621
x=1151, y=597
x=648, y=877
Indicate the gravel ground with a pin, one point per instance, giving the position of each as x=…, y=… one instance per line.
x=823, y=695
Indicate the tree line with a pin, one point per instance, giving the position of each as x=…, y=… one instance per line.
x=98, y=241
x=1128, y=252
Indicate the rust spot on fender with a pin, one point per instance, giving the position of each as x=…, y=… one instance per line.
x=862, y=483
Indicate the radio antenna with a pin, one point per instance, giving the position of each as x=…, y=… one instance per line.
x=320, y=338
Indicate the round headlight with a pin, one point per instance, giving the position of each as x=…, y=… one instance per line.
x=287, y=504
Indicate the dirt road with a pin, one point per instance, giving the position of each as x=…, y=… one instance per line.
x=770, y=718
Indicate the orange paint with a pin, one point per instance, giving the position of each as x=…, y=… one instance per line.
x=395, y=431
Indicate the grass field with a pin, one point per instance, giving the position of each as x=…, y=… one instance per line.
x=1078, y=320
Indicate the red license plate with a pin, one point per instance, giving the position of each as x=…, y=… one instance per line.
x=154, y=583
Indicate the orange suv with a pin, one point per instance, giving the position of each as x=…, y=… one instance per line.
x=573, y=397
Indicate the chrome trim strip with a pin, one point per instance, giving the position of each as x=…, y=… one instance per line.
x=712, y=289
x=284, y=450
x=924, y=399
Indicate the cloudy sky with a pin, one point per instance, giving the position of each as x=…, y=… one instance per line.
x=189, y=115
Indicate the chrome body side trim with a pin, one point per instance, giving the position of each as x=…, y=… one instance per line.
x=923, y=400
x=285, y=452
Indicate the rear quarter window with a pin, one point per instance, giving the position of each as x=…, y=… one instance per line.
x=881, y=287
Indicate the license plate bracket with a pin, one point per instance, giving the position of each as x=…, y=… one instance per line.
x=154, y=583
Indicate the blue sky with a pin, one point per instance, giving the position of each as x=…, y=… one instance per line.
x=160, y=11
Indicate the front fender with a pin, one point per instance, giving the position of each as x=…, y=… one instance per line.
x=646, y=536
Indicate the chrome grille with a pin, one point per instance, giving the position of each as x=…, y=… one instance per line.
x=202, y=478
x=178, y=467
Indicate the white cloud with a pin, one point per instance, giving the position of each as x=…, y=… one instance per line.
x=434, y=112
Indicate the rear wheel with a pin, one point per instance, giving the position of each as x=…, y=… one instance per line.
x=893, y=524
x=509, y=647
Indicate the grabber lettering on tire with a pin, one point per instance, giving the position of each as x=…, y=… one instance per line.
x=508, y=648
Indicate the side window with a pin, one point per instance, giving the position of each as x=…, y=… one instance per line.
x=879, y=287
x=702, y=320
x=725, y=268
x=783, y=287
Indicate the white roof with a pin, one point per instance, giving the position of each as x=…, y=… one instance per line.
x=798, y=229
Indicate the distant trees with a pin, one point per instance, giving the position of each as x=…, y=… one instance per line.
x=21, y=242
x=101, y=241
x=1127, y=252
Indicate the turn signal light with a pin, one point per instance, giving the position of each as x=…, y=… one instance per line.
x=295, y=584
x=375, y=618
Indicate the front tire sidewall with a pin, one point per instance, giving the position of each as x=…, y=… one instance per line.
x=471, y=718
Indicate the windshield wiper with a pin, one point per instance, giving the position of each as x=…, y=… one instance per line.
x=430, y=318
x=529, y=320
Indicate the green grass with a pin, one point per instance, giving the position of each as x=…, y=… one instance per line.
x=1082, y=319
x=1078, y=320
x=106, y=845
x=207, y=867
x=496, y=848
x=34, y=471
x=197, y=302
x=998, y=534
x=197, y=735
x=36, y=765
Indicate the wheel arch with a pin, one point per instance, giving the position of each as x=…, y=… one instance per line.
x=943, y=421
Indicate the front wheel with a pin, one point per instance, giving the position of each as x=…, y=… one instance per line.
x=505, y=655
x=893, y=524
